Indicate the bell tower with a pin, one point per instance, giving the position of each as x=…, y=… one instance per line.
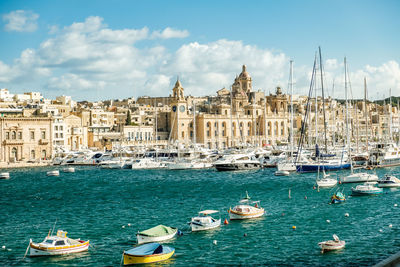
x=179, y=115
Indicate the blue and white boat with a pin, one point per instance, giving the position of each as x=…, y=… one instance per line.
x=325, y=165
x=337, y=198
x=366, y=189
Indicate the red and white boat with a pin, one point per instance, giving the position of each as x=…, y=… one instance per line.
x=330, y=245
x=59, y=244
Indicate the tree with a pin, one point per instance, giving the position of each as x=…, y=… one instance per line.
x=128, y=118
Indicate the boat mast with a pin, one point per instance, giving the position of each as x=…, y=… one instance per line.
x=366, y=114
x=347, y=106
x=334, y=116
x=291, y=109
x=194, y=123
x=231, y=119
x=323, y=98
x=390, y=116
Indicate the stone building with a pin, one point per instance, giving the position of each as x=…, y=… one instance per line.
x=25, y=138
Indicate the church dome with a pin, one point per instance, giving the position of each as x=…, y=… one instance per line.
x=244, y=73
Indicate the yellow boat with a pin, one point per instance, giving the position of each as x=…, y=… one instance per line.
x=147, y=253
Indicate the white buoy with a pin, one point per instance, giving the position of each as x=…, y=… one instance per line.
x=123, y=226
x=380, y=230
x=3, y=247
x=215, y=242
x=328, y=221
x=390, y=225
x=129, y=224
x=395, y=205
x=346, y=214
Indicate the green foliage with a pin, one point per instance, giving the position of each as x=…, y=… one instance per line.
x=128, y=118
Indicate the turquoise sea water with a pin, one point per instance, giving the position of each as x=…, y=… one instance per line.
x=95, y=204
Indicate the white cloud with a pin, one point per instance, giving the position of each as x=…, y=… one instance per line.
x=89, y=60
x=169, y=33
x=21, y=21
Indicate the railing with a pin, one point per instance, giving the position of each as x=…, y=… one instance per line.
x=43, y=141
x=13, y=142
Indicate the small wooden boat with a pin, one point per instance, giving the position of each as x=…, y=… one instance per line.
x=147, y=253
x=389, y=181
x=53, y=173
x=338, y=197
x=204, y=221
x=366, y=189
x=156, y=234
x=282, y=173
x=57, y=245
x=69, y=169
x=246, y=209
x=330, y=245
x=5, y=175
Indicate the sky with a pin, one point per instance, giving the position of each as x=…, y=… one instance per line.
x=97, y=50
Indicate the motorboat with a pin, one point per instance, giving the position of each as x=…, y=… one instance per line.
x=53, y=173
x=147, y=163
x=366, y=189
x=5, y=175
x=389, y=181
x=147, y=253
x=186, y=164
x=282, y=173
x=69, y=169
x=330, y=245
x=338, y=197
x=359, y=177
x=204, y=221
x=59, y=244
x=246, y=209
x=156, y=234
x=237, y=162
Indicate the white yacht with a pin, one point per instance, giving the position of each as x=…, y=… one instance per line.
x=359, y=177
x=389, y=181
x=237, y=162
x=147, y=164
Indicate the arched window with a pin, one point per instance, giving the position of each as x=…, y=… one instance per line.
x=20, y=135
x=282, y=105
x=14, y=153
x=282, y=128
x=33, y=156
x=13, y=135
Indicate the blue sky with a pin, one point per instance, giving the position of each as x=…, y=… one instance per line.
x=115, y=49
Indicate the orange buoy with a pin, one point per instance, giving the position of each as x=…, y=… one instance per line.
x=226, y=221
x=294, y=227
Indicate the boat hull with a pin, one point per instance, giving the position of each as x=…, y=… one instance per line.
x=37, y=251
x=234, y=215
x=237, y=166
x=331, y=245
x=203, y=227
x=355, y=192
x=314, y=167
x=359, y=178
x=142, y=239
x=388, y=185
x=133, y=259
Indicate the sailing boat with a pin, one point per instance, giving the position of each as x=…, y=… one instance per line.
x=326, y=181
x=329, y=162
x=359, y=176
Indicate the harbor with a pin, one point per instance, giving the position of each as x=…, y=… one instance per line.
x=109, y=206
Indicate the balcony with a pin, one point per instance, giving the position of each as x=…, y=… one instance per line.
x=43, y=141
x=13, y=142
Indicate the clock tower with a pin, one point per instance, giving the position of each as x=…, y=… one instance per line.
x=179, y=117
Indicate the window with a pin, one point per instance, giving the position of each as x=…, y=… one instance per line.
x=7, y=135
x=61, y=128
x=20, y=135
x=183, y=134
x=56, y=128
x=61, y=135
x=43, y=154
x=59, y=243
x=208, y=133
x=191, y=133
x=33, y=156
x=43, y=134
x=13, y=135
x=14, y=153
